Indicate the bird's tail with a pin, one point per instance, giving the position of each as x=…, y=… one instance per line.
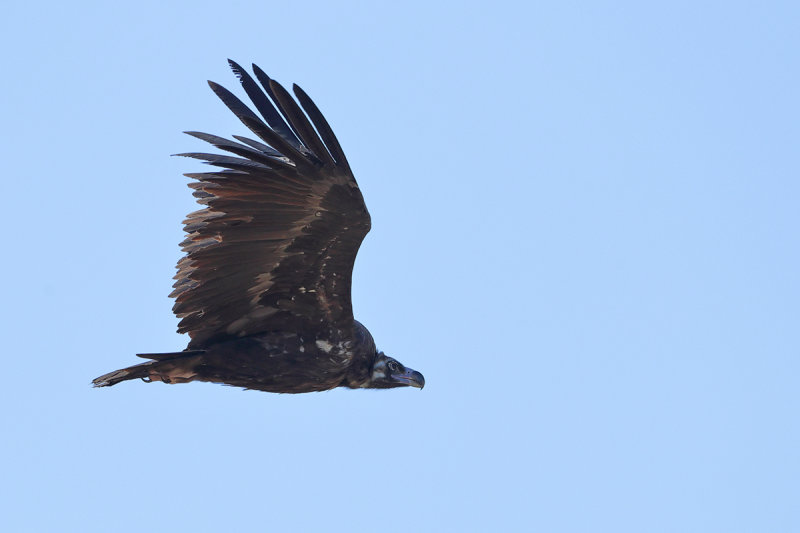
x=173, y=367
x=141, y=370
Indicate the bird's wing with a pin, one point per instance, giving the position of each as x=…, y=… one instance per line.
x=274, y=247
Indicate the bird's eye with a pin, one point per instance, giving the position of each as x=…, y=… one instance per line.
x=393, y=366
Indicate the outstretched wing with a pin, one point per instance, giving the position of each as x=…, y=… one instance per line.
x=275, y=245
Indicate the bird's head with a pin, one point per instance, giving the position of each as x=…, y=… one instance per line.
x=388, y=372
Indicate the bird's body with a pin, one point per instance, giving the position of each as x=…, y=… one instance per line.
x=264, y=290
x=272, y=362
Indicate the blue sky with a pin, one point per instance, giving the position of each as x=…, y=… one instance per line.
x=584, y=234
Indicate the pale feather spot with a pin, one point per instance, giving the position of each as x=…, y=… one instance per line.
x=325, y=346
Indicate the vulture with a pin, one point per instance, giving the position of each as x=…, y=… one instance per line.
x=263, y=289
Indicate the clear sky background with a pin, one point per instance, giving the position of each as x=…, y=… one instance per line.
x=585, y=235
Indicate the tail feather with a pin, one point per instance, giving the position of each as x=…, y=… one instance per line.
x=142, y=370
x=173, y=367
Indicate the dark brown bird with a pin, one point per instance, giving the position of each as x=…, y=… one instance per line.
x=264, y=288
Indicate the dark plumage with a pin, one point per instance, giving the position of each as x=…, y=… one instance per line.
x=264, y=288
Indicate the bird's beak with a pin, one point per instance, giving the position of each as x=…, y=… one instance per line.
x=410, y=377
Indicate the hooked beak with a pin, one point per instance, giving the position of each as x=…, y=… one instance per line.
x=412, y=378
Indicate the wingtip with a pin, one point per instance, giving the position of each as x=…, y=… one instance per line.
x=198, y=135
x=236, y=68
x=298, y=91
x=260, y=74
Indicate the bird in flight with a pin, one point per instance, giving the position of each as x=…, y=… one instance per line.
x=264, y=288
